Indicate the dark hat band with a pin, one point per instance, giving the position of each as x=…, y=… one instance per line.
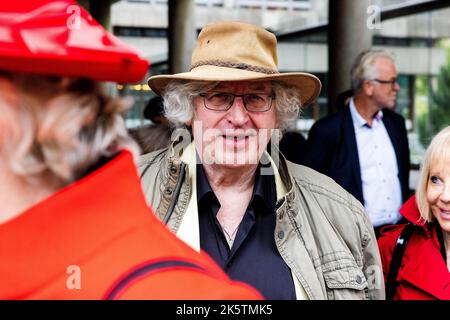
x=241, y=66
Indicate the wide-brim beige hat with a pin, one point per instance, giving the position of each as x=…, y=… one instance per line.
x=236, y=51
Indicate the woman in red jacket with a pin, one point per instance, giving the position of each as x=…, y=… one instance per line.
x=74, y=223
x=424, y=268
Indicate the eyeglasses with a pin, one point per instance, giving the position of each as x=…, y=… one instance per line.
x=392, y=82
x=222, y=101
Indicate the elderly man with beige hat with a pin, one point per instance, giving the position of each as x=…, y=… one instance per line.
x=287, y=230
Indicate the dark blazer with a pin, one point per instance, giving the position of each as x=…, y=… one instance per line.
x=332, y=150
x=290, y=145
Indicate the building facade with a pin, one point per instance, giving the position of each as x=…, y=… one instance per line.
x=419, y=42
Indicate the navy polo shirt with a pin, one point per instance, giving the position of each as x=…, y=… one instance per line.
x=253, y=257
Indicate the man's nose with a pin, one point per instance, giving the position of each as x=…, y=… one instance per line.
x=396, y=86
x=237, y=114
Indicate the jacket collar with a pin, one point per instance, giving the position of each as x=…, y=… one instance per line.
x=418, y=263
x=349, y=138
x=357, y=119
x=71, y=224
x=426, y=256
x=411, y=212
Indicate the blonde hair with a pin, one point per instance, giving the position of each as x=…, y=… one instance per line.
x=54, y=129
x=438, y=149
x=179, y=101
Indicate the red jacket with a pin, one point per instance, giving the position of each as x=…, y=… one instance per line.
x=97, y=233
x=423, y=272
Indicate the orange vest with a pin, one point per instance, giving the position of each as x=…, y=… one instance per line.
x=98, y=239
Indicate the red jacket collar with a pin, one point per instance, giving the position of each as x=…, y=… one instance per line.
x=411, y=213
x=69, y=224
x=424, y=268
x=425, y=256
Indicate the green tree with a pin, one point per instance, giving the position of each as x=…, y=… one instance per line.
x=438, y=116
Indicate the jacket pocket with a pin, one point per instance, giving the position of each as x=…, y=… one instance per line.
x=346, y=283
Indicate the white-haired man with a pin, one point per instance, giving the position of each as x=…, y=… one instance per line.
x=289, y=231
x=364, y=147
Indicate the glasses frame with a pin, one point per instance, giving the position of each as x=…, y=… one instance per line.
x=392, y=82
x=242, y=96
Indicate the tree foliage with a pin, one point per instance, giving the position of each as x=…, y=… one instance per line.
x=438, y=115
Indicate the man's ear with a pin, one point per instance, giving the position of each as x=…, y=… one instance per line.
x=194, y=112
x=368, y=88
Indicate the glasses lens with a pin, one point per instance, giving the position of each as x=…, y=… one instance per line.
x=391, y=82
x=218, y=100
x=222, y=101
x=257, y=102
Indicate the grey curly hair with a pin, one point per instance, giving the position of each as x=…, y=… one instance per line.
x=53, y=129
x=179, y=101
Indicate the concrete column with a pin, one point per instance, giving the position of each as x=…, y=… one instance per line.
x=99, y=9
x=182, y=34
x=348, y=35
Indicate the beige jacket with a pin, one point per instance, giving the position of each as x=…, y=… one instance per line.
x=322, y=232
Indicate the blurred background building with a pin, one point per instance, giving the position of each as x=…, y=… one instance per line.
x=417, y=32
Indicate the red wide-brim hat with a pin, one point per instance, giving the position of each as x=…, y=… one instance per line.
x=60, y=38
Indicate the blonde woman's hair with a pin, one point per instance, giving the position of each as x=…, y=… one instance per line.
x=438, y=150
x=53, y=129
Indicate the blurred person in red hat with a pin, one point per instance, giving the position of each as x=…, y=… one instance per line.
x=74, y=223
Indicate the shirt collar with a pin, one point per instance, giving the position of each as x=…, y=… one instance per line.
x=358, y=120
x=379, y=116
x=264, y=187
x=203, y=186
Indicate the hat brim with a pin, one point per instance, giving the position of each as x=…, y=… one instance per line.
x=307, y=84
x=38, y=37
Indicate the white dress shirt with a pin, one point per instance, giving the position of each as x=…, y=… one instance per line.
x=379, y=170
